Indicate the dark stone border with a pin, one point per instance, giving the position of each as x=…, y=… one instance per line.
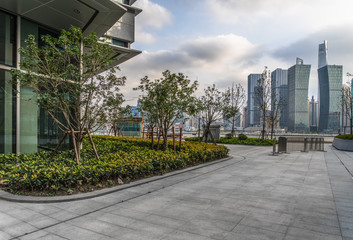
x=343, y=144
x=82, y=196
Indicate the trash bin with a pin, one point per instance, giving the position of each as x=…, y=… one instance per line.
x=216, y=131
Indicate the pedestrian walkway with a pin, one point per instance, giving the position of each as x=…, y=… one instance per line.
x=254, y=195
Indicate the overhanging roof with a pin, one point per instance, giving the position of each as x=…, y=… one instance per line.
x=90, y=15
x=122, y=54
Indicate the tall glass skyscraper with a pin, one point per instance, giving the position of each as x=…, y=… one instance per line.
x=253, y=118
x=279, y=84
x=330, y=85
x=298, y=84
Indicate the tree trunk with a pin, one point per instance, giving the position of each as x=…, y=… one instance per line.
x=351, y=125
x=159, y=137
x=174, y=139
x=165, y=139
x=233, y=126
x=272, y=126
x=180, y=136
x=152, y=138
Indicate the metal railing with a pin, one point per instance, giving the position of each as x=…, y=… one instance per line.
x=304, y=144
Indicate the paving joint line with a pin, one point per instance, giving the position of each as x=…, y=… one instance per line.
x=135, y=197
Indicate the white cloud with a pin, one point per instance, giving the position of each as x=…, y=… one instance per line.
x=221, y=60
x=153, y=15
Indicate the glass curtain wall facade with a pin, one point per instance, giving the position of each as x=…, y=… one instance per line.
x=298, y=84
x=330, y=86
x=279, y=85
x=24, y=127
x=253, y=119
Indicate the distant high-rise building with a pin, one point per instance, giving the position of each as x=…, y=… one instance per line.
x=313, y=114
x=253, y=118
x=279, y=84
x=323, y=59
x=298, y=84
x=330, y=85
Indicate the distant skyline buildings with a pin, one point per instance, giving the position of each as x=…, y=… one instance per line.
x=279, y=85
x=313, y=114
x=253, y=118
x=322, y=58
x=298, y=84
x=330, y=87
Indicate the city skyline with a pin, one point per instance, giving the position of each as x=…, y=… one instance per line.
x=224, y=41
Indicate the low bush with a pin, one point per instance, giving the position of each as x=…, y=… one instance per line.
x=242, y=136
x=345, y=136
x=192, y=139
x=125, y=158
x=242, y=139
x=247, y=141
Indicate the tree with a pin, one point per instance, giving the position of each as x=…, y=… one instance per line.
x=212, y=107
x=275, y=113
x=347, y=104
x=66, y=77
x=263, y=96
x=236, y=100
x=115, y=116
x=165, y=100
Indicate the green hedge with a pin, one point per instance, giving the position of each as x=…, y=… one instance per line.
x=346, y=136
x=126, y=158
x=235, y=140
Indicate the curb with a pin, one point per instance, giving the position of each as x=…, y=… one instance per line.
x=83, y=196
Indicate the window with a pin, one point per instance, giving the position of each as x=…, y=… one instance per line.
x=7, y=39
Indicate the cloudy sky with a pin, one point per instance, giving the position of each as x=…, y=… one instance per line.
x=223, y=41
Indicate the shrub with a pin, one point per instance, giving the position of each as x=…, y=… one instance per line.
x=192, y=139
x=242, y=136
x=229, y=135
x=126, y=158
x=248, y=141
x=346, y=136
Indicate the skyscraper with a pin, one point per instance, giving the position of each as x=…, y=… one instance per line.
x=323, y=58
x=253, y=118
x=298, y=84
x=313, y=114
x=279, y=84
x=330, y=85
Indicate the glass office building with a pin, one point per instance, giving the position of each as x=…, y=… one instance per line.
x=24, y=127
x=279, y=85
x=330, y=87
x=298, y=84
x=253, y=117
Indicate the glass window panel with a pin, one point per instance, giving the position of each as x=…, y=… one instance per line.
x=7, y=125
x=7, y=39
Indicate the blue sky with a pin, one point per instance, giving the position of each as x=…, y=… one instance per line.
x=223, y=41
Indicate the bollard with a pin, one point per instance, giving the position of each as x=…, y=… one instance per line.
x=305, y=144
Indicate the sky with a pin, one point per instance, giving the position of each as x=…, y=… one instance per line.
x=223, y=41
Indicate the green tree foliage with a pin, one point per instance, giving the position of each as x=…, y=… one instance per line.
x=66, y=76
x=165, y=100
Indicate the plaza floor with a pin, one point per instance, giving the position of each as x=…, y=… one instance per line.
x=254, y=195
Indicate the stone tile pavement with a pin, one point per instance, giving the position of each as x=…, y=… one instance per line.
x=253, y=196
